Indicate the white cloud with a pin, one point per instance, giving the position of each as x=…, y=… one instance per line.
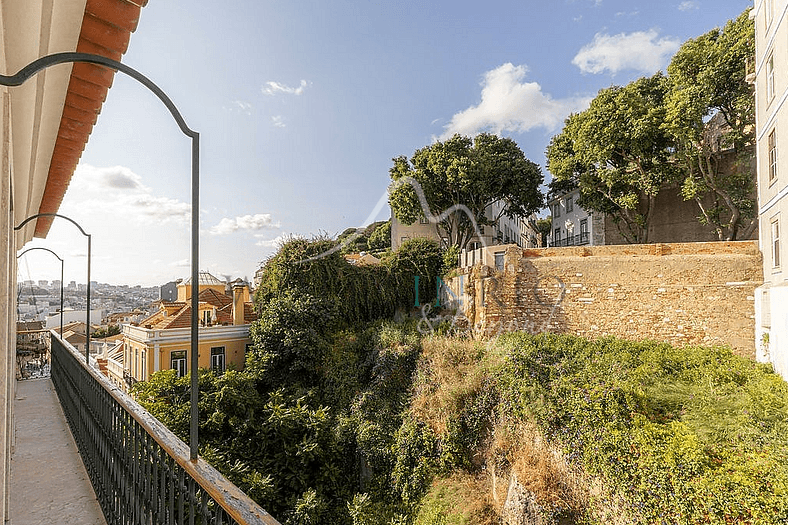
x=641, y=51
x=509, y=104
x=688, y=5
x=278, y=121
x=183, y=263
x=272, y=88
x=119, y=192
x=241, y=106
x=260, y=221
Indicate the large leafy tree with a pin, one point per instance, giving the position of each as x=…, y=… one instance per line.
x=710, y=115
x=619, y=154
x=462, y=177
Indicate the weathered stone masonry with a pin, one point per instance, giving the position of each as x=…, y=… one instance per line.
x=691, y=293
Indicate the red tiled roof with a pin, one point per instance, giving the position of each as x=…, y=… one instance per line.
x=106, y=29
x=218, y=299
x=181, y=318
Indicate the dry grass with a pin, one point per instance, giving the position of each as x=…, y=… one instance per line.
x=464, y=497
x=519, y=450
x=449, y=373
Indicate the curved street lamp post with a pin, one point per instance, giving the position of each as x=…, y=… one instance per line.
x=61, y=279
x=63, y=58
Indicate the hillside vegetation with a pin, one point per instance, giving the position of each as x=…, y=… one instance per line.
x=343, y=416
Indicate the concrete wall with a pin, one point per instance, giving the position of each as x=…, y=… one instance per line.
x=675, y=220
x=693, y=293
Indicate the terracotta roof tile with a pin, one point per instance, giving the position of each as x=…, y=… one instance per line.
x=250, y=315
x=124, y=15
x=106, y=29
x=215, y=298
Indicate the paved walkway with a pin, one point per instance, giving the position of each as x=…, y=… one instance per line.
x=49, y=483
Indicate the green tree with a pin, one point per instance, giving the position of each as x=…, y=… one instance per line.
x=543, y=226
x=111, y=330
x=380, y=238
x=467, y=172
x=618, y=153
x=708, y=79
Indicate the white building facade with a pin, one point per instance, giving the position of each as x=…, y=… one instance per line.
x=519, y=230
x=771, y=93
x=572, y=225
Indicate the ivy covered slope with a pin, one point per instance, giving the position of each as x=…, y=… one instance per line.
x=601, y=431
x=342, y=416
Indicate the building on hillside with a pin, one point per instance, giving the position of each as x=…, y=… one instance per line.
x=119, y=318
x=572, y=225
x=163, y=340
x=361, y=259
x=71, y=316
x=519, y=230
x=770, y=74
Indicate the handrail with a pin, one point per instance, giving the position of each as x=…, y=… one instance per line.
x=235, y=502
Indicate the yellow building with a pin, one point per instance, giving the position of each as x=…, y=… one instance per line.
x=163, y=340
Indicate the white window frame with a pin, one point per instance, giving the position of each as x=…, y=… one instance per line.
x=772, y=156
x=179, y=364
x=218, y=359
x=770, y=77
x=775, y=232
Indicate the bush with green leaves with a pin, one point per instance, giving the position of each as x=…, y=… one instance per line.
x=360, y=293
x=682, y=435
x=290, y=337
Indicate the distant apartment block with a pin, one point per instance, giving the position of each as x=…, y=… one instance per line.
x=518, y=230
x=673, y=220
x=572, y=224
x=169, y=291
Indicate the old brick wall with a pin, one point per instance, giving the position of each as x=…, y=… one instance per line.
x=689, y=293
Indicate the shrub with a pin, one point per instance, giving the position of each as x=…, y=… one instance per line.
x=290, y=340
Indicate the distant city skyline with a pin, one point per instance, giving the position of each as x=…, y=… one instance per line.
x=302, y=105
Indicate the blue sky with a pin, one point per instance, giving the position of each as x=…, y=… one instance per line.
x=302, y=104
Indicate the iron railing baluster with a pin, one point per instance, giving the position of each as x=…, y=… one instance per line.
x=141, y=472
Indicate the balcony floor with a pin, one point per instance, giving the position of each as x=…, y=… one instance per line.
x=49, y=483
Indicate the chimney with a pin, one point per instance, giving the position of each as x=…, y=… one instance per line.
x=239, y=296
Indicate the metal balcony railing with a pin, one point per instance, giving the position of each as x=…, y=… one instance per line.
x=572, y=240
x=140, y=471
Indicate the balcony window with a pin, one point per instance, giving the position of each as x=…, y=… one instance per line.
x=218, y=360
x=178, y=362
x=557, y=237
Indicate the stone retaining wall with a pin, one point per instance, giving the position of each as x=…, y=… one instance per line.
x=689, y=293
